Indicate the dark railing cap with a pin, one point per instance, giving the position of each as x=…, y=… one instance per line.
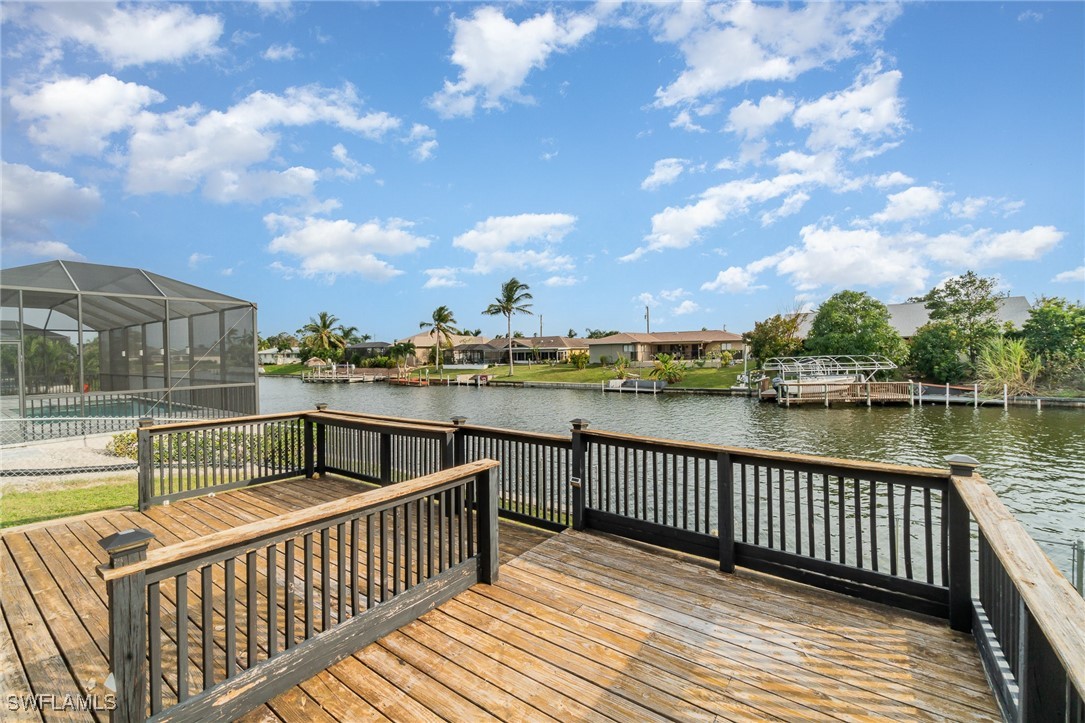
x=146, y=421
x=126, y=540
x=321, y=407
x=459, y=421
x=579, y=423
x=961, y=465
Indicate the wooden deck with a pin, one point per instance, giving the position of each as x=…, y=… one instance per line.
x=579, y=627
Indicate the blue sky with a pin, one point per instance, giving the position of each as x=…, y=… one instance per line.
x=718, y=163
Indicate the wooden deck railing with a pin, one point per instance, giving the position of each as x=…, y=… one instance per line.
x=1028, y=620
x=895, y=534
x=209, y=628
x=194, y=458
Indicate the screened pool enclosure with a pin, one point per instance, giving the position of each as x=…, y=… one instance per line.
x=87, y=348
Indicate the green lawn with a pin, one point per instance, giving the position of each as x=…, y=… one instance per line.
x=276, y=370
x=34, y=505
x=695, y=378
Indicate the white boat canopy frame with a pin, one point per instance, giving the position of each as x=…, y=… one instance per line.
x=862, y=367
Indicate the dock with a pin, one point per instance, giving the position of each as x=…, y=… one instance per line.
x=579, y=626
x=334, y=565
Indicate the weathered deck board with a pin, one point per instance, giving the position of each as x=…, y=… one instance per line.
x=579, y=626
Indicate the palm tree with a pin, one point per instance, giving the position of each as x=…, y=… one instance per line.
x=399, y=353
x=511, y=301
x=351, y=336
x=442, y=326
x=321, y=335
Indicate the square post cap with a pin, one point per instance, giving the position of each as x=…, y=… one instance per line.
x=146, y=421
x=579, y=423
x=126, y=541
x=321, y=407
x=459, y=421
x=961, y=465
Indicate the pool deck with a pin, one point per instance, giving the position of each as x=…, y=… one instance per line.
x=580, y=626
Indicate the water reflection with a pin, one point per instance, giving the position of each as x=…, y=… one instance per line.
x=1035, y=461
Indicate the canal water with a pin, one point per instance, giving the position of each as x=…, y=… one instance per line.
x=1034, y=460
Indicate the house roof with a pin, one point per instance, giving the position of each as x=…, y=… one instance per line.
x=709, y=336
x=549, y=342
x=369, y=345
x=424, y=340
x=907, y=318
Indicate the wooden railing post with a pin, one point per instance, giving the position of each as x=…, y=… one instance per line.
x=726, y=510
x=577, y=454
x=128, y=624
x=578, y=503
x=321, y=444
x=310, y=452
x=145, y=456
x=488, y=558
x=960, y=549
x=459, y=441
x=385, y=452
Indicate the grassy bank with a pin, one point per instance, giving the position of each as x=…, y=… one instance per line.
x=695, y=378
x=281, y=370
x=63, y=499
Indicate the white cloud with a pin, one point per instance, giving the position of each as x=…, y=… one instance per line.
x=846, y=257
x=42, y=249
x=890, y=180
x=665, y=171
x=425, y=140
x=726, y=46
x=860, y=118
x=496, y=54
x=331, y=247
x=33, y=200
x=915, y=202
x=561, y=281
x=683, y=120
x=498, y=242
x=673, y=294
x=646, y=298
x=686, y=307
x=179, y=151
x=77, y=115
x=791, y=205
x=754, y=120
x=733, y=280
x=1077, y=275
x=135, y=34
x=972, y=207
x=679, y=227
x=281, y=52
x=984, y=246
x=351, y=168
x=442, y=278
x=196, y=259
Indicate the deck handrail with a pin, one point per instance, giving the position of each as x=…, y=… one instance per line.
x=1036, y=677
x=246, y=648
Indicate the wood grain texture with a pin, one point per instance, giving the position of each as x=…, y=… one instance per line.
x=1058, y=609
x=579, y=627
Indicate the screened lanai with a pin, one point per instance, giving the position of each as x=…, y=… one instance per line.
x=88, y=341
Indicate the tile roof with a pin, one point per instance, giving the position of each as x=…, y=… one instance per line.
x=670, y=337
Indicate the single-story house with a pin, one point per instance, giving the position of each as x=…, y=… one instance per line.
x=425, y=343
x=366, y=350
x=685, y=345
x=277, y=356
x=908, y=318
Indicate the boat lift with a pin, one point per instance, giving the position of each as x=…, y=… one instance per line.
x=857, y=368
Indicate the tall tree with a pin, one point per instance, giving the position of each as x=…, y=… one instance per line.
x=321, y=337
x=853, y=322
x=1055, y=332
x=598, y=333
x=776, y=336
x=511, y=301
x=442, y=326
x=399, y=353
x=970, y=303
